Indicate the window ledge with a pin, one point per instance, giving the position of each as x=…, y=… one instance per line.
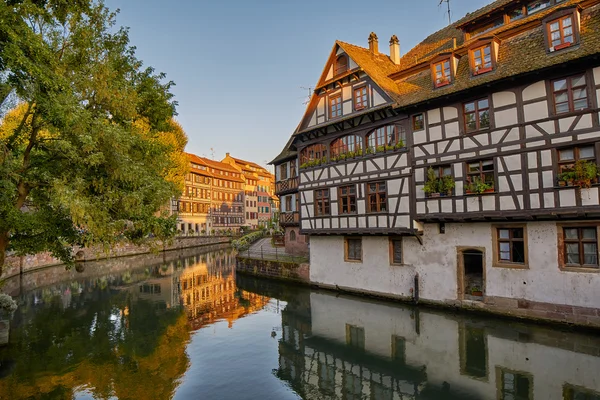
x=483, y=71
x=498, y=264
x=594, y=185
x=442, y=84
x=353, y=261
x=480, y=194
x=560, y=47
x=592, y=270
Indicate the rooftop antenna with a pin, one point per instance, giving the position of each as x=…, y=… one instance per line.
x=309, y=95
x=448, y=4
x=212, y=153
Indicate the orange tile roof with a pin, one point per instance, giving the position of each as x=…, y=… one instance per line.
x=217, y=165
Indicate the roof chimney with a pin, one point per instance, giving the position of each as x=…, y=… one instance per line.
x=373, y=43
x=395, y=49
x=226, y=154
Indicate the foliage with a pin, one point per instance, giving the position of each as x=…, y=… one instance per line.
x=585, y=171
x=246, y=241
x=91, y=152
x=7, y=303
x=431, y=185
x=314, y=163
x=477, y=185
x=445, y=184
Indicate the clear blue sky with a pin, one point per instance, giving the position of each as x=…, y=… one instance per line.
x=239, y=65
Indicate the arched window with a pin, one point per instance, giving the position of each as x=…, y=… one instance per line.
x=346, y=144
x=341, y=64
x=292, y=236
x=390, y=135
x=314, y=152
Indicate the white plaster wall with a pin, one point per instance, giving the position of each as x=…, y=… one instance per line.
x=327, y=266
x=436, y=263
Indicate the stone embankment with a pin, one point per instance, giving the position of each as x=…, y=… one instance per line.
x=14, y=265
x=263, y=259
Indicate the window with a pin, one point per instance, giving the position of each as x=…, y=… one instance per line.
x=514, y=385
x=341, y=64
x=570, y=94
x=480, y=176
x=292, y=236
x=418, y=122
x=345, y=145
x=477, y=115
x=315, y=152
x=487, y=27
x=537, y=5
x=569, y=156
x=560, y=33
x=571, y=392
x=482, y=59
x=377, y=197
x=442, y=73
x=355, y=336
x=390, y=135
x=581, y=246
x=335, y=106
x=510, y=243
x=395, y=250
x=288, y=203
x=516, y=14
x=322, y=202
x=353, y=249
x=360, y=98
x=282, y=172
x=347, y=199
x=399, y=349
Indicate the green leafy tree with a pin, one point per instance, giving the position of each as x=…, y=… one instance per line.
x=89, y=151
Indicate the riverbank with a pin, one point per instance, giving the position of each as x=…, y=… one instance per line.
x=15, y=265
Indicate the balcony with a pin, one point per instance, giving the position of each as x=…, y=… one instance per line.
x=287, y=186
x=291, y=218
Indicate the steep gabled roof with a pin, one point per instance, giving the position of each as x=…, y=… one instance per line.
x=377, y=66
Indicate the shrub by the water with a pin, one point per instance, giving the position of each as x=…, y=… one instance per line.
x=246, y=241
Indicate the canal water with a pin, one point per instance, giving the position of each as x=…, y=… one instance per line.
x=182, y=325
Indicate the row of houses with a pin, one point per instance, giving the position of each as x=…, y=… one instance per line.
x=464, y=172
x=225, y=196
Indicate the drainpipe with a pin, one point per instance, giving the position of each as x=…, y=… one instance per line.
x=416, y=291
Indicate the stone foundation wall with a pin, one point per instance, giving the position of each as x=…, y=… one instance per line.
x=299, y=246
x=42, y=260
x=515, y=308
x=287, y=271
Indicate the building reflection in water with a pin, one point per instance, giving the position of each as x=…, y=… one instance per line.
x=209, y=293
x=116, y=331
x=348, y=348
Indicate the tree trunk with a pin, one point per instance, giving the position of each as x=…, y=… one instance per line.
x=4, y=241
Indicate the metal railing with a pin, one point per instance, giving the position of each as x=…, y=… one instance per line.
x=272, y=253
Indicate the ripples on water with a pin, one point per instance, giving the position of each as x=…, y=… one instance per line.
x=184, y=326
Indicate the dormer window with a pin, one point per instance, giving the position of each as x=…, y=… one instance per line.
x=482, y=59
x=537, y=5
x=561, y=32
x=341, y=64
x=442, y=73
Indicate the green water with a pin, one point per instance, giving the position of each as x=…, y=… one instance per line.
x=184, y=326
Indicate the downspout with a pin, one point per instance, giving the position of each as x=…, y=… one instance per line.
x=416, y=289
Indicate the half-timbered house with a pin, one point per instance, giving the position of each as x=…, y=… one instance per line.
x=465, y=171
